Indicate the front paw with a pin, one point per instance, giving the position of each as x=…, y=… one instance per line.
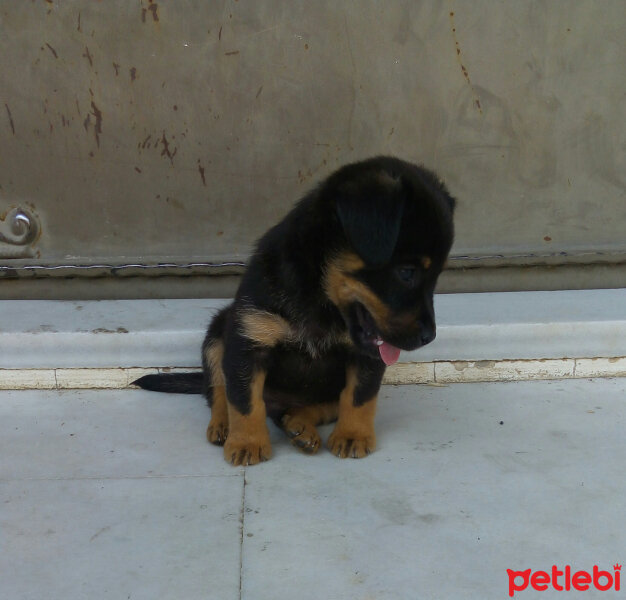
x=249, y=452
x=350, y=444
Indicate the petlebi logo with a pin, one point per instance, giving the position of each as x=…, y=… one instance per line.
x=565, y=580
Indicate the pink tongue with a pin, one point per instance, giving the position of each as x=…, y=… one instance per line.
x=389, y=353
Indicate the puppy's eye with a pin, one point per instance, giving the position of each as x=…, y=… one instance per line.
x=407, y=274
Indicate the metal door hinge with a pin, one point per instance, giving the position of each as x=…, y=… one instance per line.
x=19, y=230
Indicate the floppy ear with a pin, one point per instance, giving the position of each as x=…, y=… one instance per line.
x=371, y=224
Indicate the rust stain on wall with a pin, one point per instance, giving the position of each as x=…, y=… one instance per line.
x=166, y=149
x=153, y=9
x=463, y=68
x=201, y=171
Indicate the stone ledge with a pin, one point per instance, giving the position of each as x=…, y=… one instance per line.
x=481, y=337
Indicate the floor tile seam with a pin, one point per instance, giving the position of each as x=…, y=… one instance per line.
x=122, y=478
x=242, y=518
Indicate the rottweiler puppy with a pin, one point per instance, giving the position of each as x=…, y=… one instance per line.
x=330, y=297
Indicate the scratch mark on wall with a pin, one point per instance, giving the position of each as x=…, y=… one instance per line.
x=463, y=69
x=78, y=28
x=10, y=118
x=98, y=127
x=54, y=52
x=231, y=53
x=117, y=69
x=133, y=74
x=87, y=55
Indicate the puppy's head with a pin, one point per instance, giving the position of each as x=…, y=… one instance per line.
x=396, y=224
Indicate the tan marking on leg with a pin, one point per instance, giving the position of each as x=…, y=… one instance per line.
x=354, y=434
x=248, y=441
x=427, y=262
x=264, y=328
x=300, y=425
x=343, y=288
x=217, y=431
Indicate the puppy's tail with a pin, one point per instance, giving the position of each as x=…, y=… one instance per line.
x=173, y=383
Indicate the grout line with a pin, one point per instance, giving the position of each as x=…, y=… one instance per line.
x=242, y=516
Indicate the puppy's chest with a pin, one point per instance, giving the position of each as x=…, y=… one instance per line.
x=316, y=341
x=271, y=330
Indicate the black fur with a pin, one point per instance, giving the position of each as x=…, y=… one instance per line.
x=394, y=216
x=179, y=383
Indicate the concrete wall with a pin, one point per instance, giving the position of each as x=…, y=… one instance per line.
x=178, y=131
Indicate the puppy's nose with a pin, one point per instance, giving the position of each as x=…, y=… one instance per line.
x=428, y=334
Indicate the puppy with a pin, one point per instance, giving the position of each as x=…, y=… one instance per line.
x=330, y=297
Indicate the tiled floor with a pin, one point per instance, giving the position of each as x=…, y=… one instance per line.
x=116, y=494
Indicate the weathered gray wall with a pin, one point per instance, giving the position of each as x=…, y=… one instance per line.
x=178, y=131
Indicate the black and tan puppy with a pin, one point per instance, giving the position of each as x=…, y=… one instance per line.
x=331, y=295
